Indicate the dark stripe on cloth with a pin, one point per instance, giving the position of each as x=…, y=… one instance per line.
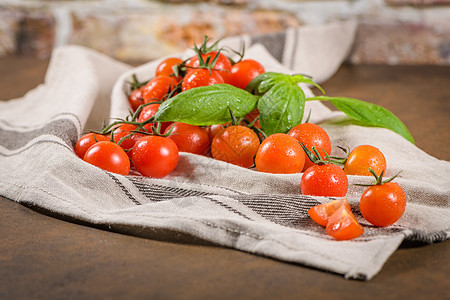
x=273, y=42
x=124, y=189
x=64, y=129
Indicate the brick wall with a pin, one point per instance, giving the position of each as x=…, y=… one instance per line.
x=390, y=31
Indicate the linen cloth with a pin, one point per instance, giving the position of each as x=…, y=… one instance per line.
x=205, y=200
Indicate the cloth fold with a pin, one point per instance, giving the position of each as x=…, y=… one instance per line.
x=205, y=199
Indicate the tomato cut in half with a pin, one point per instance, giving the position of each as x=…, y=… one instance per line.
x=322, y=212
x=342, y=225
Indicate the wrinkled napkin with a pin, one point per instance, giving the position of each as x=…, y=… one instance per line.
x=205, y=200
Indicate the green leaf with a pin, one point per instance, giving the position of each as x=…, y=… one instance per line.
x=281, y=107
x=264, y=82
x=368, y=113
x=207, y=105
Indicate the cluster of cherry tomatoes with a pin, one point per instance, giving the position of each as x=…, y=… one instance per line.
x=152, y=148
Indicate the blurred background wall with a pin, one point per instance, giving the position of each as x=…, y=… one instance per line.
x=390, y=31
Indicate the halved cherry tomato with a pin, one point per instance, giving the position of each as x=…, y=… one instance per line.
x=383, y=204
x=155, y=156
x=342, y=225
x=322, y=212
x=324, y=180
x=86, y=141
x=280, y=153
x=200, y=77
x=364, y=157
x=235, y=144
x=189, y=138
x=108, y=156
x=222, y=65
x=158, y=88
x=311, y=135
x=245, y=71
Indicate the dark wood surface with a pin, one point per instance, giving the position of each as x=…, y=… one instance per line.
x=43, y=257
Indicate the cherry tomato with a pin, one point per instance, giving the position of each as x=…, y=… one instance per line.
x=322, y=212
x=155, y=156
x=222, y=65
x=108, y=156
x=157, y=88
x=383, y=204
x=324, y=180
x=364, y=157
x=235, y=144
x=166, y=67
x=130, y=138
x=214, y=129
x=245, y=71
x=149, y=111
x=280, y=153
x=342, y=225
x=311, y=135
x=86, y=141
x=136, y=98
x=189, y=138
x=200, y=77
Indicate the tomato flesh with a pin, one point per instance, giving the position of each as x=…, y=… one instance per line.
x=342, y=225
x=322, y=212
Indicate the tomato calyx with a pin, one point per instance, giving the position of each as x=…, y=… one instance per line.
x=315, y=157
x=132, y=85
x=246, y=123
x=378, y=178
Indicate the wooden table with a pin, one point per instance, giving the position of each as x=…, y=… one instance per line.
x=44, y=257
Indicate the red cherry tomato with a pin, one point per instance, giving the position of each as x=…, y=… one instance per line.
x=136, y=98
x=280, y=153
x=86, y=141
x=149, y=111
x=124, y=131
x=245, y=71
x=364, y=157
x=342, y=225
x=222, y=65
x=322, y=212
x=383, y=204
x=311, y=135
x=158, y=88
x=324, y=180
x=155, y=156
x=214, y=129
x=166, y=67
x=200, y=77
x=189, y=138
x=235, y=144
x=108, y=156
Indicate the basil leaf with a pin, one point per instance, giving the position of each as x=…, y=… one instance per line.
x=264, y=82
x=368, y=113
x=281, y=107
x=207, y=105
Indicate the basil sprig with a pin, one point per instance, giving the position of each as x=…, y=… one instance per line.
x=207, y=105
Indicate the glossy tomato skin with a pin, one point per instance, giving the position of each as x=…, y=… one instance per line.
x=245, y=71
x=108, y=156
x=322, y=212
x=222, y=65
x=342, y=225
x=200, y=77
x=129, y=138
x=157, y=88
x=136, y=98
x=189, y=138
x=311, y=135
x=165, y=67
x=149, y=111
x=324, y=180
x=280, y=154
x=235, y=144
x=383, y=205
x=155, y=156
x=364, y=157
x=86, y=141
